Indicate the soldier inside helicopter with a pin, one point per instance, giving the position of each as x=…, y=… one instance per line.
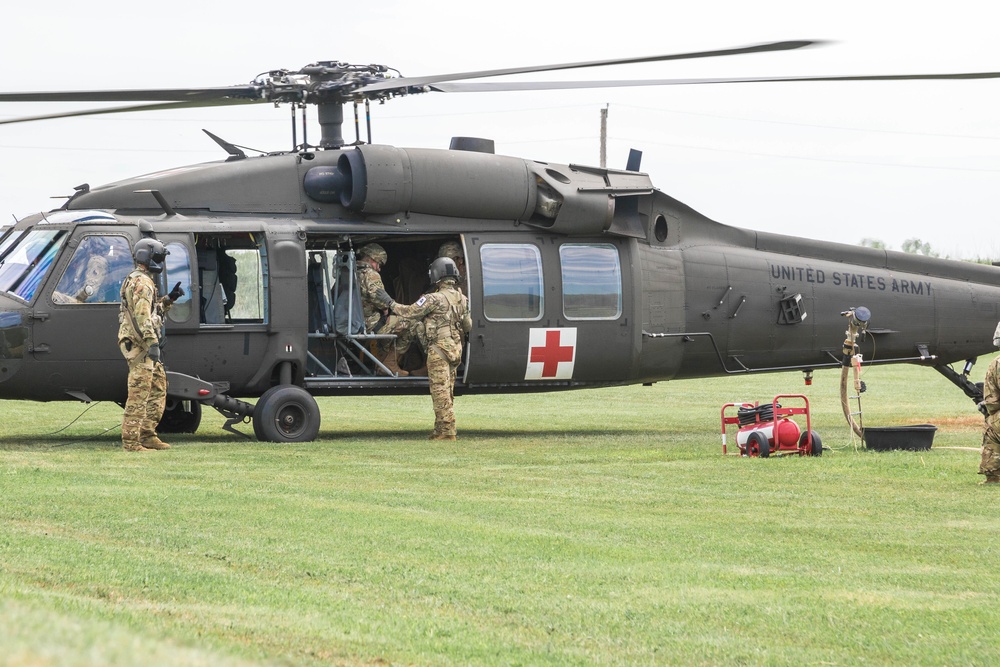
x=339, y=345
x=96, y=271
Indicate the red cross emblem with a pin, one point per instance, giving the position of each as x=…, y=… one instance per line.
x=551, y=354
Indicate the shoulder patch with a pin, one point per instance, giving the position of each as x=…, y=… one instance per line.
x=422, y=300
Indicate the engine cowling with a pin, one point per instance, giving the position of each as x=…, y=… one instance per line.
x=384, y=180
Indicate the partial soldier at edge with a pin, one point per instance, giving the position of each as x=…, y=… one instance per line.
x=989, y=465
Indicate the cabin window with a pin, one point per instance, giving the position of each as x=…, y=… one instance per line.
x=247, y=305
x=512, y=281
x=232, y=279
x=96, y=271
x=179, y=271
x=592, y=282
x=25, y=264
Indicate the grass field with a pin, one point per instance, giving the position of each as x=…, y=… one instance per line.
x=589, y=527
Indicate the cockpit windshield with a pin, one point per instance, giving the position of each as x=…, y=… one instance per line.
x=25, y=262
x=7, y=238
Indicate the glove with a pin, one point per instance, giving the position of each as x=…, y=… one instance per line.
x=176, y=293
x=982, y=408
x=153, y=350
x=383, y=299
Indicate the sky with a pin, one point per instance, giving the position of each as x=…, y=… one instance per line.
x=890, y=161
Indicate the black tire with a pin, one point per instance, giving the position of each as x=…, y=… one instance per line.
x=817, y=444
x=177, y=420
x=286, y=413
x=757, y=445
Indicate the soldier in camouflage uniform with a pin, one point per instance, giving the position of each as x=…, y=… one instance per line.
x=453, y=250
x=989, y=465
x=445, y=315
x=375, y=301
x=140, y=321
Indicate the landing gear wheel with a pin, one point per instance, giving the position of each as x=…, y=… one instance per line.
x=286, y=413
x=757, y=445
x=178, y=420
x=817, y=444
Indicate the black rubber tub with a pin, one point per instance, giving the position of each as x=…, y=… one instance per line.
x=913, y=438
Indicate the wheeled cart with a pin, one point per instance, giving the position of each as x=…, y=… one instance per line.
x=765, y=429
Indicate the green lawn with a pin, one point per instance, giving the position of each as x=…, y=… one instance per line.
x=588, y=527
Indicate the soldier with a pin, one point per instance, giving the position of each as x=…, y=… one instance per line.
x=375, y=302
x=989, y=465
x=453, y=250
x=86, y=274
x=140, y=321
x=445, y=315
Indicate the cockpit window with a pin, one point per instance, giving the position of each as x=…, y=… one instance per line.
x=7, y=238
x=26, y=263
x=7, y=242
x=96, y=271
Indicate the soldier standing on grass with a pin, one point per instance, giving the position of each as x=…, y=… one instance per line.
x=140, y=322
x=446, y=319
x=990, y=407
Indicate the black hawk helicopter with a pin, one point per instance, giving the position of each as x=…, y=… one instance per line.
x=577, y=276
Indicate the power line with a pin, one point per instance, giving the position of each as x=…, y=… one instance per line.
x=843, y=128
x=811, y=158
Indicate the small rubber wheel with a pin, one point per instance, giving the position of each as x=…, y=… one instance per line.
x=286, y=413
x=176, y=419
x=757, y=445
x=817, y=444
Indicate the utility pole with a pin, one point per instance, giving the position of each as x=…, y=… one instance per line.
x=604, y=137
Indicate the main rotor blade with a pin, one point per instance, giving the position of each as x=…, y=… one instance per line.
x=486, y=86
x=138, y=107
x=406, y=82
x=154, y=94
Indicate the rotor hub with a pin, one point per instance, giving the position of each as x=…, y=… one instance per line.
x=325, y=82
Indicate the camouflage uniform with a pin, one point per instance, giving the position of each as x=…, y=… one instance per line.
x=990, y=463
x=453, y=251
x=374, y=300
x=445, y=315
x=140, y=319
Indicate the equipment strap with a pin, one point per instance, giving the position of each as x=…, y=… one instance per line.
x=128, y=310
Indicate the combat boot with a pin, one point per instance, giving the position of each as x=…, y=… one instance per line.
x=392, y=363
x=154, y=442
x=135, y=448
x=991, y=479
x=442, y=436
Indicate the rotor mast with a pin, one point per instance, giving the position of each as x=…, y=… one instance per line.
x=329, y=85
x=331, y=124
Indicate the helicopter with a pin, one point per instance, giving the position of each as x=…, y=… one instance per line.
x=577, y=276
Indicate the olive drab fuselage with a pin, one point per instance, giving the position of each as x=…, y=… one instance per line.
x=576, y=278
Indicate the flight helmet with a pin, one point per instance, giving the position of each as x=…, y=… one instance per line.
x=150, y=253
x=441, y=268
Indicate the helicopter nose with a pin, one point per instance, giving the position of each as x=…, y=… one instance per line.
x=13, y=337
